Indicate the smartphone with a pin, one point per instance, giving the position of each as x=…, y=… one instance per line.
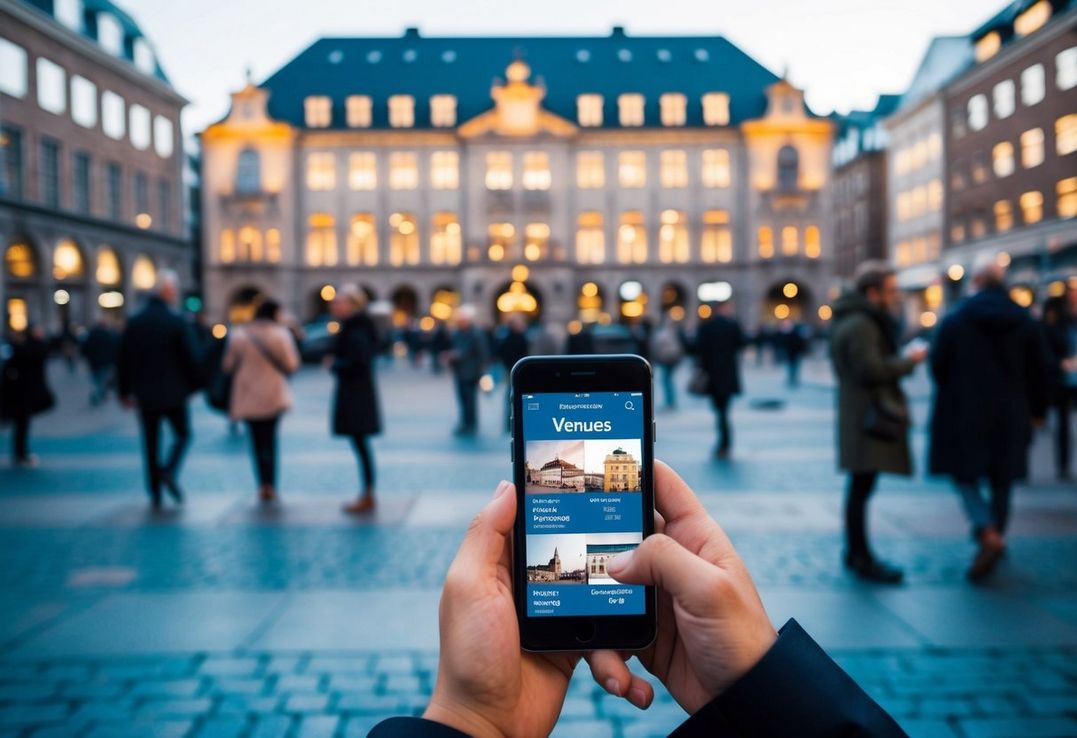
x=583, y=463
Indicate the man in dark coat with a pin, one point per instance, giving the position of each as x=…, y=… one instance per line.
x=157, y=369
x=100, y=349
x=512, y=347
x=718, y=345
x=1060, y=331
x=991, y=373
x=873, y=414
x=356, y=412
x=24, y=390
x=467, y=358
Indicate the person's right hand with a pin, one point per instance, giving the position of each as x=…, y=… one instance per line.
x=712, y=627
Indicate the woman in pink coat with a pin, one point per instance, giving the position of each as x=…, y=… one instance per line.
x=261, y=355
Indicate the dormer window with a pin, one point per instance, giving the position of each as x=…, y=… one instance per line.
x=144, y=60
x=358, y=109
x=589, y=110
x=443, y=111
x=630, y=109
x=110, y=34
x=401, y=111
x=674, y=107
x=716, y=109
x=69, y=12
x=988, y=46
x=318, y=111
x=1032, y=19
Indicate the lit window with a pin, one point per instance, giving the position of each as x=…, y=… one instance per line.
x=83, y=101
x=1004, y=98
x=318, y=111
x=536, y=170
x=934, y=194
x=536, y=241
x=790, y=240
x=674, y=168
x=163, y=136
x=1032, y=207
x=249, y=244
x=765, y=242
x=358, y=109
x=107, y=271
x=403, y=170
x=446, y=239
x=362, y=170
x=919, y=154
x=630, y=109
x=445, y=170
x=632, y=238
x=321, y=171
x=19, y=261
x=1067, y=197
x=51, y=86
x=957, y=233
x=716, y=238
x=673, y=107
x=673, y=242
x=1032, y=148
x=362, y=246
x=813, y=247
x=1002, y=156
x=443, y=111
x=590, y=238
x=499, y=170
x=590, y=170
x=226, y=250
x=934, y=145
x=1032, y=19
x=113, y=116
x=403, y=239
x=401, y=111
x=248, y=172
x=139, y=127
x=1065, y=68
x=13, y=69
x=501, y=237
x=632, y=169
x=110, y=33
x=1003, y=216
x=977, y=109
x=988, y=46
x=919, y=200
x=715, y=168
x=1032, y=84
x=715, y=109
x=1066, y=134
x=589, y=110
x=273, y=245
x=904, y=206
x=321, y=240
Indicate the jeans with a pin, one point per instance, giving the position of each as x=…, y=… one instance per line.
x=861, y=485
x=721, y=410
x=366, y=461
x=668, y=370
x=467, y=394
x=983, y=513
x=792, y=372
x=264, y=449
x=156, y=471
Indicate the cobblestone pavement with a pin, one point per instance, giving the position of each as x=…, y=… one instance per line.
x=227, y=620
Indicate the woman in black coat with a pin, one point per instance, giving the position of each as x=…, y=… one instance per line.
x=24, y=391
x=355, y=404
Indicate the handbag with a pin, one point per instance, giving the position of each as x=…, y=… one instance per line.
x=700, y=382
x=884, y=423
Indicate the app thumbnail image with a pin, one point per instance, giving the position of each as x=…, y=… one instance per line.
x=553, y=466
x=556, y=558
x=601, y=547
x=613, y=466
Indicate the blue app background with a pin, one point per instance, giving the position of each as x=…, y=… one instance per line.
x=583, y=475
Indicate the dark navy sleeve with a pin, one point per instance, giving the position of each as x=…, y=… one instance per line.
x=404, y=727
x=795, y=690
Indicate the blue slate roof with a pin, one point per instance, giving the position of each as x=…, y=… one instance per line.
x=569, y=65
x=1002, y=21
x=945, y=58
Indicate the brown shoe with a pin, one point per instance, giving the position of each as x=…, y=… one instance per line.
x=266, y=493
x=363, y=505
x=991, y=549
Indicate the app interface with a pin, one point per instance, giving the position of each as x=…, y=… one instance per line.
x=583, y=471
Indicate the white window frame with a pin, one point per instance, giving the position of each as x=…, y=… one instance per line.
x=164, y=136
x=401, y=111
x=317, y=111
x=14, y=72
x=589, y=109
x=443, y=111
x=673, y=107
x=631, y=109
x=139, y=127
x=51, y=86
x=113, y=115
x=1033, y=85
x=358, y=111
x=83, y=101
x=1066, y=69
x=715, y=108
x=1004, y=98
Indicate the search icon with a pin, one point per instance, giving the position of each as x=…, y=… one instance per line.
x=630, y=405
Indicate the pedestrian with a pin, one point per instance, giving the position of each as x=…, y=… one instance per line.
x=512, y=347
x=873, y=412
x=261, y=356
x=667, y=350
x=467, y=358
x=1060, y=332
x=356, y=412
x=100, y=349
x=157, y=370
x=440, y=342
x=794, y=345
x=24, y=390
x=719, y=342
x=990, y=368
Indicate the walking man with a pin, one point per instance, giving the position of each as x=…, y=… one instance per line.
x=99, y=349
x=157, y=371
x=873, y=414
x=718, y=346
x=512, y=347
x=991, y=374
x=467, y=358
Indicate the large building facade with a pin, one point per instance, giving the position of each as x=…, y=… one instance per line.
x=597, y=178
x=91, y=195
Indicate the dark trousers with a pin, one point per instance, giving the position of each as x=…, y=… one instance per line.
x=1067, y=398
x=993, y=512
x=264, y=449
x=366, y=461
x=861, y=485
x=156, y=471
x=20, y=437
x=467, y=394
x=721, y=411
x=668, y=389
x=792, y=371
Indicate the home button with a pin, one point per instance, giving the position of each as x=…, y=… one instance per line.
x=585, y=632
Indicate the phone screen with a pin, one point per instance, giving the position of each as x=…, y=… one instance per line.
x=583, y=501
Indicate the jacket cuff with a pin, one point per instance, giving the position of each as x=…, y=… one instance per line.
x=795, y=689
x=408, y=727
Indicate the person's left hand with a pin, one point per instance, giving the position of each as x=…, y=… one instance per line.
x=487, y=686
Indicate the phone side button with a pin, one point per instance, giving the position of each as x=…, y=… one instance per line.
x=585, y=633
x=654, y=431
x=512, y=451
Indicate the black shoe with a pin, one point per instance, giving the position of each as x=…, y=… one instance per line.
x=871, y=569
x=155, y=501
x=173, y=489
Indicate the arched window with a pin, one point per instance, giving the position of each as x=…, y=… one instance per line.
x=248, y=172
x=19, y=261
x=788, y=168
x=67, y=261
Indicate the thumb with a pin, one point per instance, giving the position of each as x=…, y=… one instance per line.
x=662, y=562
x=484, y=543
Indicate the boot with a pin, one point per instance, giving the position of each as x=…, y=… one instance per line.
x=991, y=549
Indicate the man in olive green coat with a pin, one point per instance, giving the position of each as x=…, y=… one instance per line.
x=873, y=415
